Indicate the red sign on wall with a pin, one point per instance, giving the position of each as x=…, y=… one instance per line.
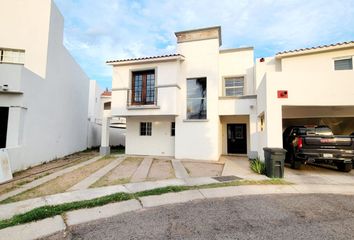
x=282, y=93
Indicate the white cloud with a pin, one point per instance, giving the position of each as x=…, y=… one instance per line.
x=96, y=31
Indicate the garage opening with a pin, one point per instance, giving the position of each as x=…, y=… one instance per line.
x=339, y=118
x=4, y=116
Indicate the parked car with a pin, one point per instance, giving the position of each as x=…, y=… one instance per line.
x=317, y=144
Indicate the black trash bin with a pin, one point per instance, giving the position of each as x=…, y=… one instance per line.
x=274, y=162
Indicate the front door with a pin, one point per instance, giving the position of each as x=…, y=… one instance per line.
x=236, y=138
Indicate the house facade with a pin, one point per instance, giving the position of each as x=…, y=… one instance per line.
x=43, y=91
x=204, y=101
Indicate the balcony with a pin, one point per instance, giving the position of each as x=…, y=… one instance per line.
x=163, y=102
x=144, y=101
x=11, y=78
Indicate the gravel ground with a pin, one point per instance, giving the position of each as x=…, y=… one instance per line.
x=247, y=217
x=33, y=173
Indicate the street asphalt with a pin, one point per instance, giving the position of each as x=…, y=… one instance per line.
x=311, y=216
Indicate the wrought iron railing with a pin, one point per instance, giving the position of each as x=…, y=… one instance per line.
x=142, y=99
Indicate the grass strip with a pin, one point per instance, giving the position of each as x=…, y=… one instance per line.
x=53, y=210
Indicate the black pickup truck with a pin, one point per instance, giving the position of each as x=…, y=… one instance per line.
x=317, y=144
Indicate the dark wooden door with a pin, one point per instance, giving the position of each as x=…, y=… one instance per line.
x=236, y=138
x=4, y=116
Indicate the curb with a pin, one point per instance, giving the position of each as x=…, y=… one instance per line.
x=34, y=230
x=11, y=209
x=56, y=224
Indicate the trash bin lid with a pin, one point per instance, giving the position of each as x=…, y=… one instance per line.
x=275, y=150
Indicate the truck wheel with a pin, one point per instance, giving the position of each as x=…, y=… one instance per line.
x=295, y=164
x=345, y=167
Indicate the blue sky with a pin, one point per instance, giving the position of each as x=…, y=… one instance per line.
x=100, y=30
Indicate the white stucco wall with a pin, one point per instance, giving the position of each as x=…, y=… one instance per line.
x=310, y=81
x=199, y=139
x=166, y=79
x=237, y=62
x=160, y=143
x=53, y=110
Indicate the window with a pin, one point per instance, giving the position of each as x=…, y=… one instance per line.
x=261, y=122
x=343, y=64
x=145, y=128
x=173, y=129
x=196, y=98
x=12, y=56
x=234, y=86
x=143, y=87
x=107, y=106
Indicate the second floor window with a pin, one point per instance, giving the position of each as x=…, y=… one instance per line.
x=12, y=56
x=143, y=87
x=196, y=98
x=343, y=64
x=234, y=86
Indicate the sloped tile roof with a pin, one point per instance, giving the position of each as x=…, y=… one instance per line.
x=106, y=93
x=317, y=47
x=144, y=58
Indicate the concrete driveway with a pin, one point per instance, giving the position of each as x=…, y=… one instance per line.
x=308, y=174
x=311, y=174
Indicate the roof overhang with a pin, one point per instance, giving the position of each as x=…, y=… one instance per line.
x=146, y=60
x=314, y=50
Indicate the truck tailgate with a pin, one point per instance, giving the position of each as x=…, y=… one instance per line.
x=331, y=142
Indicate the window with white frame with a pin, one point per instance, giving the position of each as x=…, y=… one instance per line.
x=197, y=98
x=145, y=128
x=234, y=86
x=12, y=56
x=343, y=64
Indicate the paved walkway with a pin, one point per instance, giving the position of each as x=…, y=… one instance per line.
x=87, y=182
x=240, y=167
x=11, y=209
x=180, y=171
x=86, y=215
x=143, y=170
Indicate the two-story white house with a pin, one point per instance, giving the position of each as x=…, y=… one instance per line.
x=43, y=91
x=203, y=101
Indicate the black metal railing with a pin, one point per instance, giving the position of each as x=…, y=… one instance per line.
x=142, y=98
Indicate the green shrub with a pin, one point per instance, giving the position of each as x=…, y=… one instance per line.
x=257, y=166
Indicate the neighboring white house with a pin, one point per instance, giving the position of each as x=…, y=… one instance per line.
x=100, y=105
x=204, y=101
x=43, y=91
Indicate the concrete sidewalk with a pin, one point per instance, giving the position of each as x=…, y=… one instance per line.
x=11, y=209
x=28, y=231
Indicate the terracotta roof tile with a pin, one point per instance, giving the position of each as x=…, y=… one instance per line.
x=317, y=47
x=106, y=93
x=144, y=58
